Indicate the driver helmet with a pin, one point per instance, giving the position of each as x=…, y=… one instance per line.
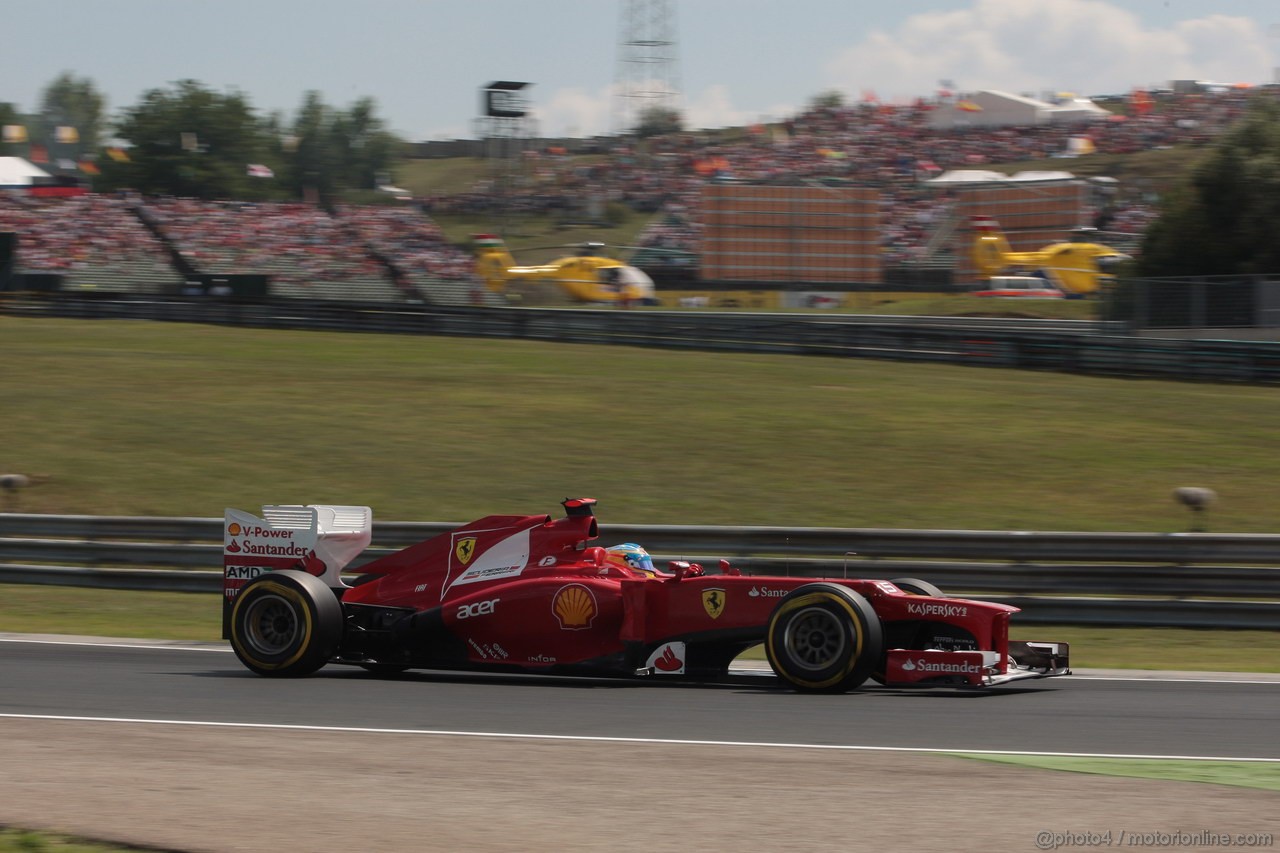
x=631, y=556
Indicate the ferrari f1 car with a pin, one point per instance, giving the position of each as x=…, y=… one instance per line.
x=531, y=594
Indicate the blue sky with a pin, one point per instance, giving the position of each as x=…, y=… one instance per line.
x=739, y=61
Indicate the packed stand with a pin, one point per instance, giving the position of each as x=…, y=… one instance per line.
x=889, y=147
x=367, y=252
x=93, y=241
x=416, y=249
x=306, y=252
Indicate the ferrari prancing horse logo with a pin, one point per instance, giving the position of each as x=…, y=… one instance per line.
x=713, y=602
x=465, y=550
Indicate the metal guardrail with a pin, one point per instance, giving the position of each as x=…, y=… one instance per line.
x=1087, y=347
x=1172, y=579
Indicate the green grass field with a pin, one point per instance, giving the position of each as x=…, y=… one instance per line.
x=135, y=418
x=13, y=840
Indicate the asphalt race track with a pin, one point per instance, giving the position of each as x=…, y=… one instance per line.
x=1196, y=716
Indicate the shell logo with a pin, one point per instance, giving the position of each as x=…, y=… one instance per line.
x=574, y=606
x=234, y=529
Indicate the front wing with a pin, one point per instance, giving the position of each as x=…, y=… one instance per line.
x=931, y=668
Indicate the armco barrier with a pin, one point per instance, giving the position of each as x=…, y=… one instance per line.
x=1070, y=346
x=1172, y=579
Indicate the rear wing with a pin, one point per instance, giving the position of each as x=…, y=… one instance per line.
x=318, y=539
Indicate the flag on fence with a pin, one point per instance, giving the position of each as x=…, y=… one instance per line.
x=15, y=133
x=66, y=135
x=257, y=170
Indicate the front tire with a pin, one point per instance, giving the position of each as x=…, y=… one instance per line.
x=915, y=586
x=824, y=638
x=286, y=624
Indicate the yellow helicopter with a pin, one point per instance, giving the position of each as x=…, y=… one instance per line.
x=587, y=276
x=1077, y=267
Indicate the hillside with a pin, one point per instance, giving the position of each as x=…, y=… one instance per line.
x=1146, y=173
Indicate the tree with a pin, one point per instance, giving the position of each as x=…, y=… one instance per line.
x=829, y=100
x=312, y=172
x=658, y=121
x=8, y=116
x=190, y=141
x=1226, y=219
x=332, y=150
x=72, y=102
x=365, y=147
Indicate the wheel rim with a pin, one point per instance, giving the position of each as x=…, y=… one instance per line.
x=815, y=638
x=271, y=625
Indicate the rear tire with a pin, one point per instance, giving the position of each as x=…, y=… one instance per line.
x=286, y=624
x=824, y=638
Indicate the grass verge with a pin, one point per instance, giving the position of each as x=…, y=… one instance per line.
x=1243, y=774
x=15, y=840
x=170, y=419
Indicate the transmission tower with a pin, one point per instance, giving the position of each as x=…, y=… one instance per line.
x=648, y=75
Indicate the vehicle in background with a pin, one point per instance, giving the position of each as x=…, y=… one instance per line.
x=1076, y=266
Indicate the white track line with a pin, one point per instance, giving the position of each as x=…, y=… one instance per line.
x=632, y=740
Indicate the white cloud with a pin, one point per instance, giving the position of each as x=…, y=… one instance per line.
x=1086, y=46
x=575, y=113
x=713, y=107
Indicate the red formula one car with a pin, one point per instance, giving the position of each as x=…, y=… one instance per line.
x=531, y=594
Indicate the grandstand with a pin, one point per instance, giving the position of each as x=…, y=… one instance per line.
x=390, y=254
x=95, y=242
x=307, y=253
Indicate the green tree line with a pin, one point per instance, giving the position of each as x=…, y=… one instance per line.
x=1225, y=217
x=187, y=139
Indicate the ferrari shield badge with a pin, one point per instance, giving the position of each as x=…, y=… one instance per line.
x=465, y=549
x=713, y=602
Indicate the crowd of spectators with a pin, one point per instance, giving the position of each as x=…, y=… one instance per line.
x=299, y=244
x=889, y=147
x=92, y=232
x=894, y=148
x=412, y=242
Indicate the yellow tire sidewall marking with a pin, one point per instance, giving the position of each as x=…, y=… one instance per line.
x=813, y=598
x=289, y=594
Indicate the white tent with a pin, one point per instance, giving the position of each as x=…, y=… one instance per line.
x=990, y=108
x=968, y=176
x=1077, y=110
x=16, y=172
x=1042, y=176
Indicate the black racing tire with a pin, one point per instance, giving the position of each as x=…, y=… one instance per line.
x=286, y=624
x=915, y=586
x=824, y=638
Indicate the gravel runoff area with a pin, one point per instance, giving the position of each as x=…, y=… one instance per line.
x=198, y=788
